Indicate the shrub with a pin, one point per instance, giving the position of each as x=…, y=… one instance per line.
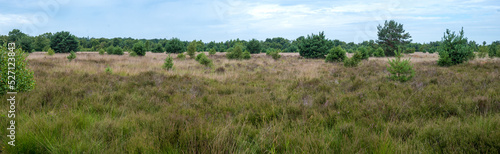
x=110, y=50
x=483, y=51
x=118, y=51
x=410, y=50
x=108, y=70
x=204, y=60
x=158, y=49
x=139, y=49
x=246, y=55
x=401, y=70
x=63, y=42
x=197, y=58
x=494, y=49
x=379, y=52
x=454, y=49
x=169, y=63
x=191, y=49
x=175, y=46
x=354, y=60
x=50, y=52
x=132, y=54
x=24, y=80
x=254, y=46
x=235, y=52
x=181, y=56
x=336, y=54
x=101, y=51
x=275, y=54
x=212, y=51
x=71, y=56
x=314, y=46
x=364, y=53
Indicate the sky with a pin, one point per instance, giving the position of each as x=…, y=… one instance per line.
x=221, y=20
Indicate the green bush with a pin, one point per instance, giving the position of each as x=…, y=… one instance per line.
x=204, y=60
x=235, y=52
x=110, y=50
x=175, y=46
x=314, y=46
x=410, y=50
x=118, y=51
x=454, y=49
x=336, y=54
x=181, y=56
x=71, y=56
x=191, y=49
x=108, y=70
x=401, y=70
x=50, y=52
x=483, y=51
x=139, y=49
x=24, y=80
x=364, y=53
x=379, y=52
x=254, y=46
x=63, y=42
x=212, y=51
x=275, y=54
x=246, y=55
x=494, y=50
x=101, y=51
x=132, y=54
x=158, y=49
x=169, y=63
x=354, y=60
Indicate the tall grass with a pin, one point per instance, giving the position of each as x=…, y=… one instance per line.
x=257, y=106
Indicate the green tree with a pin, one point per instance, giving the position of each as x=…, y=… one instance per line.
x=63, y=42
x=336, y=54
x=379, y=52
x=71, y=56
x=110, y=50
x=274, y=53
x=139, y=49
x=314, y=46
x=254, y=46
x=235, y=52
x=117, y=51
x=50, y=52
x=401, y=70
x=169, y=63
x=191, y=49
x=364, y=53
x=354, y=60
x=181, y=56
x=494, y=49
x=246, y=55
x=212, y=51
x=392, y=35
x=158, y=49
x=454, y=49
x=175, y=46
x=24, y=80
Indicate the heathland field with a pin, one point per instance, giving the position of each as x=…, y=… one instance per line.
x=261, y=105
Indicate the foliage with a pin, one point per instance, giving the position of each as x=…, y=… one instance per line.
x=63, y=42
x=212, y=51
x=139, y=49
x=254, y=46
x=108, y=70
x=379, y=52
x=354, y=60
x=314, y=46
x=169, y=63
x=50, y=52
x=235, y=52
x=246, y=55
x=191, y=49
x=454, y=49
x=494, y=49
x=336, y=54
x=132, y=53
x=410, y=50
x=364, y=53
x=110, y=50
x=175, y=46
x=71, y=56
x=117, y=51
x=401, y=70
x=102, y=51
x=391, y=36
x=275, y=54
x=204, y=60
x=181, y=56
x=24, y=80
x=158, y=49
x=483, y=51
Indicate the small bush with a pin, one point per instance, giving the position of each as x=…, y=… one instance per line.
x=197, y=58
x=336, y=54
x=50, y=52
x=379, y=52
x=132, y=54
x=212, y=51
x=410, y=50
x=108, y=70
x=235, y=52
x=102, y=51
x=169, y=63
x=204, y=60
x=483, y=51
x=23, y=76
x=139, y=49
x=181, y=56
x=118, y=51
x=455, y=49
x=353, y=61
x=191, y=49
x=158, y=49
x=275, y=54
x=364, y=53
x=110, y=50
x=401, y=70
x=71, y=56
x=246, y=55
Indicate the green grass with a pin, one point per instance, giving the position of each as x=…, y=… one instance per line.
x=268, y=108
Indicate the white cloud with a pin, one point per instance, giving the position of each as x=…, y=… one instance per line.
x=13, y=19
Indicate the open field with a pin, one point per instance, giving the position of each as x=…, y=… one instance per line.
x=291, y=105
